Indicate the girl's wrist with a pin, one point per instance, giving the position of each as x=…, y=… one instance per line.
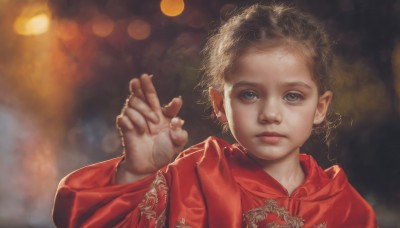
x=124, y=176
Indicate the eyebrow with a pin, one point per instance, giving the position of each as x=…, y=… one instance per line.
x=286, y=84
x=244, y=83
x=299, y=83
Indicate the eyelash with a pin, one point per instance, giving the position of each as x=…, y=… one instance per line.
x=244, y=95
x=297, y=97
x=290, y=97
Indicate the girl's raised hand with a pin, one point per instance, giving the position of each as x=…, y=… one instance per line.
x=152, y=136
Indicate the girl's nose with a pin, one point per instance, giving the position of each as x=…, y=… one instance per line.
x=270, y=113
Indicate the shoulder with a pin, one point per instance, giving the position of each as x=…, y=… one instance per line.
x=348, y=194
x=332, y=185
x=339, y=181
x=212, y=146
x=210, y=149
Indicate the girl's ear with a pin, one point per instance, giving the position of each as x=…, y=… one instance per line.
x=217, y=101
x=322, y=107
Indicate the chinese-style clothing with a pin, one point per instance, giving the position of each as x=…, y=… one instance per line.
x=211, y=184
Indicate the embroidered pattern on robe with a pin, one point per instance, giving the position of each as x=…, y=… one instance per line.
x=158, y=192
x=256, y=215
x=252, y=217
x=91, y=196
x=182, y=224
x=322, y=225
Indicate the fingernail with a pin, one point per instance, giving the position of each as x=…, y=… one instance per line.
x=175, y=120
x=151, y=75
x=174, y=123
x=182, y=122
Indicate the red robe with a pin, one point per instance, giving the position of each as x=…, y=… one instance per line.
x=211, y=184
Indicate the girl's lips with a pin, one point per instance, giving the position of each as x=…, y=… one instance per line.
x=270, y=137
x=269, y=133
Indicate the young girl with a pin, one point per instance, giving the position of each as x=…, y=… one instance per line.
x=267, y=70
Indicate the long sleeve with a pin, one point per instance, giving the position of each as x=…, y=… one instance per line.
x=181, y=194
x=211, y=184
x=88, y=197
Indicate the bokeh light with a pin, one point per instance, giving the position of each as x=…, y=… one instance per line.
x=67, y=29
x=172, y=8
x=33, y=19
x=35, y=25
x=139, y=29
x=102, y=26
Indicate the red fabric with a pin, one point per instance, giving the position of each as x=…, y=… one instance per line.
x=212, y=184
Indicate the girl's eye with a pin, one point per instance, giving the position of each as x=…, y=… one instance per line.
x=248, y=95
x=293, y=97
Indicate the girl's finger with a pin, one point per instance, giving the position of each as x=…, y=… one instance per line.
x=178, y=135
x=173, y=107
x=137, y=120
x=176, y=122
x=143, y=108
x=124, y=123
x=136, y=89
x=150, y=92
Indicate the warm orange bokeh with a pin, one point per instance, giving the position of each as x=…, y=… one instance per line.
x=172, y=8
x=35, y=25
x=67, y=29
x=102, y=26
x=139, y=29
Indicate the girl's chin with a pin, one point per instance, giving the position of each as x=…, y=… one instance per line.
x=270, y=157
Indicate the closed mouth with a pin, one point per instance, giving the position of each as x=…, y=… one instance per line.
x=269, y=134
x=270, y=138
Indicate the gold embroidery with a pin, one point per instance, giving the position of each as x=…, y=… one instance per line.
x=274, y=225
x=150, y=200
x=160, y=222
x=256, y=215
x=322, y=225
x=181, y=224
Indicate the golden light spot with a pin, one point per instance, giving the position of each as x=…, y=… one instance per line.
x=102, y=26
x=35, y=25
x=172, y=8
x=139, y=29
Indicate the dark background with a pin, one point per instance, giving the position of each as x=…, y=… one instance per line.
x=61, y=89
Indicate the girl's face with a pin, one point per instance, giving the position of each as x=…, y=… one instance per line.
x=271, y=103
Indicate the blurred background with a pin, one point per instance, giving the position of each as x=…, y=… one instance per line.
x=65, y=67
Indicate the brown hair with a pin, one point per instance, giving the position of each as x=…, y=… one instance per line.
x=266, y=25
x=270, y=25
